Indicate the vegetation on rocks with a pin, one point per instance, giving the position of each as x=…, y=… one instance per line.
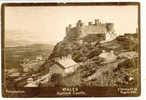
x=94, y=70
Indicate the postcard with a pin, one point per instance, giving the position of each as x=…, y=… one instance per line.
x=71, y=49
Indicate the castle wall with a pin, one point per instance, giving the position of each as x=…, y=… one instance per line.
x=81, y=30
x=92, y=29
x=72, y=34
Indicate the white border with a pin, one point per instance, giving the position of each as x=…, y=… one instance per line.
x=143, y=47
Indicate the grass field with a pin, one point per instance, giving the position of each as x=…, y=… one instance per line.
x=14, y=55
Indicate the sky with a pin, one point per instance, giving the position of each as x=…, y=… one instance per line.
x=46, y=24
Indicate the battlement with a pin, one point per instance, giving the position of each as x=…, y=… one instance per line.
x=91, y=28
x=81, y=24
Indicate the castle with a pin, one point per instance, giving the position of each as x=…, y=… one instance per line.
x=103, y=31
x=93, y=32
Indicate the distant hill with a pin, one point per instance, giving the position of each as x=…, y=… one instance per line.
x=14, y=55
x=16, y=43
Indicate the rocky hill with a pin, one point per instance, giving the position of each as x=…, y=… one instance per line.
x=102, y=71
x=109, y=63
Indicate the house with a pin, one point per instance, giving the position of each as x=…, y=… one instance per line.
x=71, y=69
x=32, y=66
x=39, y=57
x=64, y=66
x=66, y=61
x=108, y=56
x=57, y=68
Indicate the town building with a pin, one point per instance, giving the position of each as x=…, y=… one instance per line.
x=64, y=66
x=39, y=57
x=108, y=56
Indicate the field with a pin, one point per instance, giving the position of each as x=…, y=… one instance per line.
x=13, y=56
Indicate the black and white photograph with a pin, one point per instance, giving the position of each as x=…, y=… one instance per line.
x=71, y=50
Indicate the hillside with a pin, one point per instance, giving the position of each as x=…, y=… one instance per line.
x=96, y=71
x=107, y=64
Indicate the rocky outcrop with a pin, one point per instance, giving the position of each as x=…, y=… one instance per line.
x=98, y=70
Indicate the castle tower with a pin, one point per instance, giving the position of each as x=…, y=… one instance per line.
x=97, y=21
x=110, y=34
x=68, y=28
x=110, y=27
x=89, y=23
x=79, y=23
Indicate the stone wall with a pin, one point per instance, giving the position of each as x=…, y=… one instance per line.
x=92, y=29
x=81, y=30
